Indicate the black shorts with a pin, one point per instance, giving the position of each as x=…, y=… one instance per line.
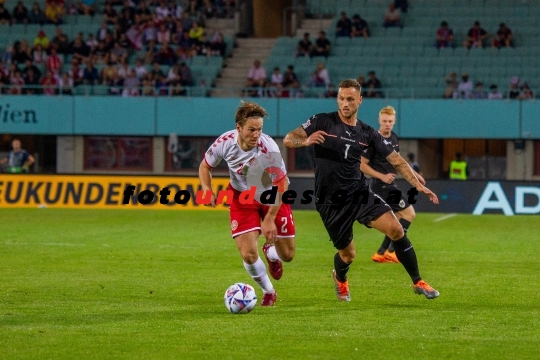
x=339, y=220
x=391, y=195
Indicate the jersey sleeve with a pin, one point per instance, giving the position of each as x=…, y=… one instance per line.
x=214, y=154
x=313, y=124
x=367, y=153
x=379, y=144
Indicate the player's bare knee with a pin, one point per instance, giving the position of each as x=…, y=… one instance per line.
x=396, y=232
x=250, y=258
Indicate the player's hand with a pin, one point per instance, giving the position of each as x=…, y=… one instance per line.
x=421, y=179
x=269, y=229
x=316, y=138
x=430, y=194
x=388, y=178
x=212, y=200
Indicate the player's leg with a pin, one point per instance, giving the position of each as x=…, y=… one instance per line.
x=389, y=225
x=381, y=256
x=284, y=247
x=248, y=246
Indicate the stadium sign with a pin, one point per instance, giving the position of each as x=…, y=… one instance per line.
x=494, y=197
x=16, y=116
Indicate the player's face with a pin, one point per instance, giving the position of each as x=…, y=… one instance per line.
x=16, y=145
x=387, y=123
x=249, y=134
x=349, y=100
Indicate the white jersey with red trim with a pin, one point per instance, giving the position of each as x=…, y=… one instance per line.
x=226, y=148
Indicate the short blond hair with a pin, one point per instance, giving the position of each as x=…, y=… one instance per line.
x=388, y=110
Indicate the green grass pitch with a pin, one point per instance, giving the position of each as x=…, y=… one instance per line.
x=106, y=284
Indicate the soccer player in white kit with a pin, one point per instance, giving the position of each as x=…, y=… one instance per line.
x=241, y=148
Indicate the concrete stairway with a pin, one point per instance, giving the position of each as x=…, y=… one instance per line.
x=234, y=75
x=313, y=26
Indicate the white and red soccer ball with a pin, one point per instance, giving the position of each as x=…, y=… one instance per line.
x=240, y=298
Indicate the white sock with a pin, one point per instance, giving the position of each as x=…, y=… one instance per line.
x=272, y=254
x=257, y=270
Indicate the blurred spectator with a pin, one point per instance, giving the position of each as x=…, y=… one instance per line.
x=526, y=92
x=161, y=11
x=320, y=77
x=5, y=16
x=475, y=37
x=331, y=92
x=494, y=93
x=90, y=74
x=445, y=36
x=290, y=83
x=91, y=42
x=392, y=16
x=304, y=46
x=363, y=85
x=87, y=7
x=256, y=77
x=54, y=62
x=123, y=69
x=39, y=56
x=196, y=31
x=118, y=53
x=156, y=71
x=175, y=86
x=162, y=87
x=165, y=55
x=49, y=84
x=65, y=85
x=175, y=10
x=36, y=15
x=163, y=34
x=322, y=46
x=41, y=39
x=143, y=11
x=131, y=84
x=31, y=80
x=17, y=83
x=208, y=9
x=21, y=52
x=479, y=92
x=513, y=90
x=54, y=11
x=344, y=25
x=79, y=50
x=373, y=85
x=102, y=32
x=109, y=14
x=276, y=81
x=465, y=88
x=173, y=71
x=503, y=37
x=148, y=85
x=75, y=72
x=61, y=41
x=203, y=47
x=402, y=5
x=150, y=54
x=108, y=72
x=140, y=69
x=218, y=46
x=359, y=27
x=187, y=23
x=451, y=85
x=115, y=85
x=186, y=75
x=29, y=65
x=20, y=13
x=100, y=55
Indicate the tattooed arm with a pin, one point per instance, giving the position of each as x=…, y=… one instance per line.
x=299, y=138
x=404, y=169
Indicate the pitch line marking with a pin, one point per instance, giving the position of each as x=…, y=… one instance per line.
x=445, y=217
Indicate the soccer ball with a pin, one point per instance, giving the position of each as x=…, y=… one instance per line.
x=240, y=298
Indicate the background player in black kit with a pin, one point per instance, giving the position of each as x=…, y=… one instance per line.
x=341, y=191
x=383, y=175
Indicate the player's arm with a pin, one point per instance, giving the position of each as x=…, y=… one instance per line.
x=299, y=138
x=29, y=162
x=205, y=177
x=405, y=170
x=368, y=170
x=3, y=161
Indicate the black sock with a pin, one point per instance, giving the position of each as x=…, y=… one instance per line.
x=341, y=268
x=384, y=245
x=406, y=255
x=405, y=224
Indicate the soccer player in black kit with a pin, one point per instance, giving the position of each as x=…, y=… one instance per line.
x=341, y=191
x=382, y=183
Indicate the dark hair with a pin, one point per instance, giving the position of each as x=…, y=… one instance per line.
x=350, y=83
x=458, y=156
x=444, y=23
x=248, y=109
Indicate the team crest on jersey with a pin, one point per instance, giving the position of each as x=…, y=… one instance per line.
x=387, y=142
x=306, y=124
x=401, y=203
x=234, y=225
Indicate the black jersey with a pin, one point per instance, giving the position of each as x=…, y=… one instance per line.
x=337, y=160
x=378, y=161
